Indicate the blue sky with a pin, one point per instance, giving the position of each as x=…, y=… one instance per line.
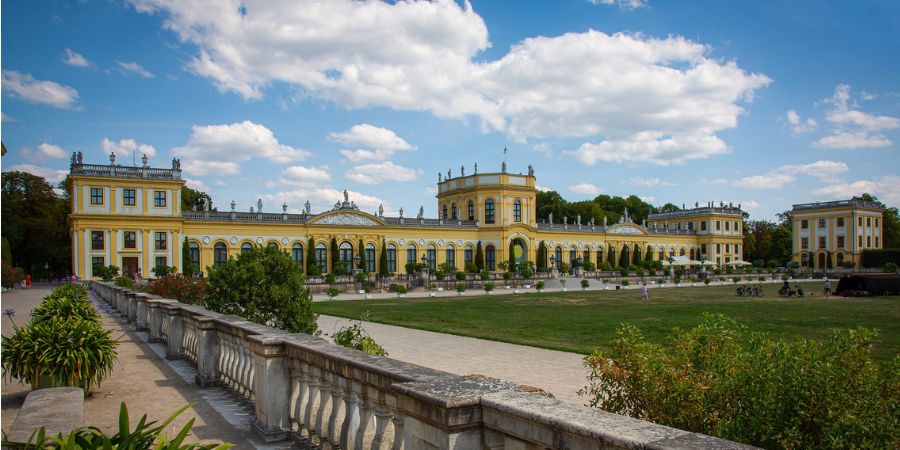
x=760, y=103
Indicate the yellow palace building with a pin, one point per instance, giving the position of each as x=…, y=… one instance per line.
x=839, y=230
x=131, y=217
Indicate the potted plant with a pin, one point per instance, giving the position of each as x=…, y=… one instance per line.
x=332, y=292
x=431, y=289
x=368, y=293
x=400, y=290
x=585, y=284
x=460, y=289
x=527, y=274
x=506, y=277
x=562, y=281
x=540, y=286
x=706, y=281
x=489, y=288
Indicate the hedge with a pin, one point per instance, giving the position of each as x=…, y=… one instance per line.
x=880, y=257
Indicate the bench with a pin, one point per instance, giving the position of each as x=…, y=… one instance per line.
x=58, y=410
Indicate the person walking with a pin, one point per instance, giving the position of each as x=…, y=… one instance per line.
x=827, y=288
x=645, y=292
x=27, y=281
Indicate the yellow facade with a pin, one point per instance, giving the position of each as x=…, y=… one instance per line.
x=840, y=230
x=118, y=218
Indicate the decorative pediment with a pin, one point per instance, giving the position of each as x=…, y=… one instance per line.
x=347, y=218
x=626, y=229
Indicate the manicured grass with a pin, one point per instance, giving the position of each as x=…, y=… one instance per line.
x=578, y=321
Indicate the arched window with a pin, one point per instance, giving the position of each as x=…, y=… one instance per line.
x=573, y=255
x=220, y=254
x=840, y=259
x=681, y=253
x=392, y=258
x=246, y=247
x=672, y=253
x=558, y=256
x=662, y=254
x=599, y=257
x=450, y=256
x=517, y=211
x=454, y=214
x=489, y=258
x=468, y=256
x=692, y=253
x=444, y=209
x=195, y=256
x=411, y=254
x=346, y=255
x=586, y=256
x=370, y=258
x=431, y=256
x=471, y=210
x=489, y=211
x=322, y=256
x=273, y=245
x=297, y=253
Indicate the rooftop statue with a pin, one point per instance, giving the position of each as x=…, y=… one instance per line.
x=259, y=205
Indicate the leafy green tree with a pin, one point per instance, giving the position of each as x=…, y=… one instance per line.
x=479, y=257
x=263, y=286
x=542, y=257
x=35, y=225
x=313, y=267
x=611, y=257
x=624, y=260
x=335, y=257
x=362, y=256
x=193, y=199
x=512, y=258
x=187, y=265
x=382, y=260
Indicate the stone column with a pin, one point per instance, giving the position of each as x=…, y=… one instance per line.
x=141, y=312
x=156, y=318
x=130, y=306
x=271, y=388
x=207, y=353
x=175, y=337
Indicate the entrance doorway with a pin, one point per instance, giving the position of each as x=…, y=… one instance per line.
x=821, y=261
x=129, y=266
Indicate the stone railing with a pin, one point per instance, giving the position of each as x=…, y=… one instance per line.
x=324, y=396
x=100, y=170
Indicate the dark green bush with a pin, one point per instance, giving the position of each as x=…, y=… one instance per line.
x=183, y=288
x=124, y=282
x=723, y=379
x=879, y=257
x=264, y=286
x=890, y=267
x=67, y=301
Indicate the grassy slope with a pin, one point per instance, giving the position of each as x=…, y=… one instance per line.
x=579, y=321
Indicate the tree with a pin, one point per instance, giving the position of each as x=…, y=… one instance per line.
x=512, y=258
x=479, y=257
x=193, y=199
x=35, y=224
x=335, y=256
x=187, y=265
x=890, y=223
x=382, y=260
x=263, y=286
x=624, y=260
x=542, y=257
x=313, y=267
x=362, y=256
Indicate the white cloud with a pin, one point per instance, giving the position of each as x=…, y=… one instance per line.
x=852, y=128
x=750, y=205
x=76, y=59
x=323, y=199
x=301, y=175
x=777, y=178
x=218, y=148
x=867, y=96
x=381, y=172
x=886, y=188
x=196, y=184
x=370, y=136
x=648, y=198
x=542, y=188
x=798, y=126
x=4, y=117
x=360, y=155
x=648, y=182
x=623, y=4
x=45, y=151
x=585, y=189
x=125, y=148
x=635, y=98
x=430, y=191
x=24, y=86
x=133, y=68
x=53, y=176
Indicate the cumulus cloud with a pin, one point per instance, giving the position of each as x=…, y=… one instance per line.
x=542, y=188
x=585, y=189
x=219, y=148
x=648, y=198
x=125, y=148
x=301, y=175
x=76, y=59
x=53, y=176
x=648, y=182
x=24, y=86
x=196, y=184
x=133, y=68
x=798, y=125
x=777, y=178
x=380, y=172
x=852, y=128
x=375, y=143
x=323, y=199
x=45, y=151
x=627, y=5
x=633, y=98
x=886, y=188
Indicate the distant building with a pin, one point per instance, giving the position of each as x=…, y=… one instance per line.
x=839, y=230
x=131, y=217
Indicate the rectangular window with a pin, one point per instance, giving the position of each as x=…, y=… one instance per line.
x=840, y=221
x=821, y=241
x=860, y=241
x=821, y=223
x=804, y=243
x=489, y=211
x=868, y=241
x=727, y=248
x=370, y=260
x=876, y=241
x=702, y=249
x=130, y=238
x=159, y=199
x=160, y=261
x=840, y=242
x=718, y=248
x=128, y=197
x=161, y=240
x=876, y=222
x=96, y=263
x=703, y=226
x=718, y=225
x=322, y=258
x=690, y=225
x=727, y=226
x=392, y=260
x=868, y=221
x=97, y=240
x=860, y=221
x=804, y=224
x=96, y=196
x=450, y=257
x=467, y=255
x=411, y=255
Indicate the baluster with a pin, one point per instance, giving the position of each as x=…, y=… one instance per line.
x=308, y=417
x=324, y=396
x=223, y=373
x=365, y=416
x=337, y=393
x=397, y=420
x=232, y=364
x=239, y=364
x=382, y=418
x=351, y=416
x=299, y=386
x=251, y=373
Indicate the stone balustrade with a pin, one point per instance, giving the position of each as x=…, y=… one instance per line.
x=323, y=396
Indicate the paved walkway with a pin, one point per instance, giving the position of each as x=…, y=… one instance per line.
x=560, y=373
x=145, y=381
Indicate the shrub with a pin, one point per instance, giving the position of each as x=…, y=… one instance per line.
x=723, y=379
x=485, y=275
x=431, y=287
x=69, y=301
x=564, y=267
x=460, y=287
x=264, y=286
x=585, y=283
x=507, y=275
x=332, y=292
x=588, y=266
x=871, y=257
x=679, y=273
x=460, y=276
x=440, y=276
x=106, y=273
x=400, y=289
x=667, y=272
x=471, y=267
x=180, y=287
x=527, y=273
x=623, y=271
x=625, y=282
x=651, y=272
x=330, y=278
x=761, y=278
x=639, y=272
x=706, y=281
x=848, y=264
x=354, y=336
x=772, y=264
x=488, y=287
x=604, y=266
x=890, y=267
x=361, y=277
x=736, y=279
x=163, y=270
x=125, y=282
x=539, y=285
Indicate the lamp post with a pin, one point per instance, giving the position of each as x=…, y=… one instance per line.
x=552, y=264
x=703, y=264
x=425, y=268
x=579, y=269
x=355, y=263
x=671, y=262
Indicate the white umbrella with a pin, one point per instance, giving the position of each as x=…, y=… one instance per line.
x=738, y=262
x=708, y=263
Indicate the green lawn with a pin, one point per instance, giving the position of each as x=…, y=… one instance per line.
x=578, y=321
